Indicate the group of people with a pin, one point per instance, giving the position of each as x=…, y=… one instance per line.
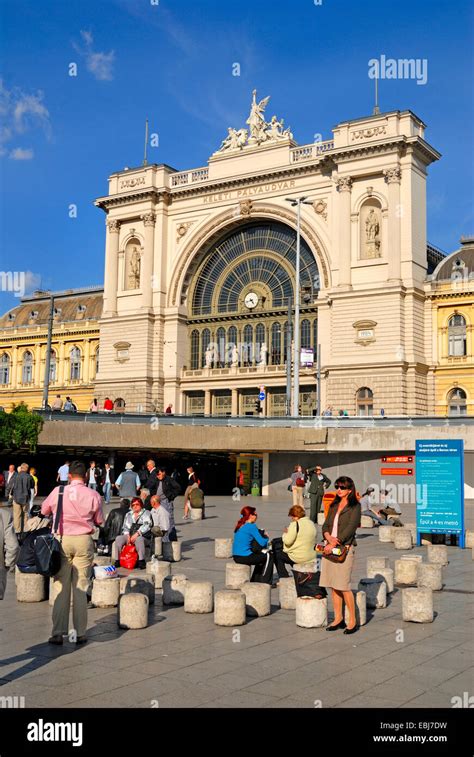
x=21, y=488
x=69, y=406
x=318, y=483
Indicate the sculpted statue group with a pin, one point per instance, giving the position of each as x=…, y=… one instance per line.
x=260, y=130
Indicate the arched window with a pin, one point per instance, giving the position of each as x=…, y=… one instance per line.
x=221, y=344
x=276, y=343
x=4, y=369
x=457, y=336
x=259, y=340
x=231, y=343
x=97, y=361
x=286, y=336
x=27, y=372
x=457, y=402
x=247, y=348
x=315, y=337
x=194, y=362
x=365, y=401
x=52, y=367
x=75, y=364
x=305, y=335
x=205, y=340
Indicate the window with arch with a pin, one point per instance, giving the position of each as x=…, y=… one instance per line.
x=4, y=369
x=286, y=336
x=457, y=402
x=221, y=346
x=52, y=367
x=205, y=341
x=231, y=342
x=365, y=401
x=305, y=343
x=315, y=337
x=27, y=371
x=457, y=336
x=247, y=348
x=75, y=364
x=276, y=343
x=194, y=350
x=259, y=339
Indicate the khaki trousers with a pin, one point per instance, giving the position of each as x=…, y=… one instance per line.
x=18, y=509
x=298, y=495
x=77, y=556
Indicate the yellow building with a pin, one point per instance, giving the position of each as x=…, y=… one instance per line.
x=74, y=348
x=450, y=302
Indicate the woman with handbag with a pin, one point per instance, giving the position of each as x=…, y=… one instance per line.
x=297, y=482
x=297, y=543
x=339, y=528
x=250, y=546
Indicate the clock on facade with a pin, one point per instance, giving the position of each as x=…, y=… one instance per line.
x=251, y=300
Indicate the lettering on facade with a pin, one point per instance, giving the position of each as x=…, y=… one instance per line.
x=236, y=194
x=130, y=183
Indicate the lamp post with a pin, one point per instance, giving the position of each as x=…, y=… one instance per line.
x=47, y=362
x=297, y=202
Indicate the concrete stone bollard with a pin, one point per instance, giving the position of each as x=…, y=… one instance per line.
x=158, y=569
x=416, y=558
x=223, y=548
x=236, y=575
x=386, y=574
x=257, y=599
x=311, y=612
x=417, y=605
x=412, y=528
x=287, y=593
x=199, y=597
x=139, y=583
x=366, y=521
x=469, y=541
x=438, y=553
x=320, y=519
x=105, y=593
x=406, y=571
x=133, y=611
x=373, y=563
x=174, y=589
x=30, y=587
x=360, y=598
x=196, y=513
x=172, y=551
x=385, y=534
x=158, y=546
x=402, y=538
x=430, y=576
x=375, y=590
x=229, y=608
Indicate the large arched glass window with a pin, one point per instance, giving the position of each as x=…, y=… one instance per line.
x=231, y=343
x=457, y=402
x=221, y=346
x=247, y=347
x=276, y=344
x=305, y=335
x=27, y=371
x=75, y=364
x=365, y=401
x=4, y=369
x=205, y=341
x=52, y=367
x=194, y=350
x=259, y=340
x=457, y=336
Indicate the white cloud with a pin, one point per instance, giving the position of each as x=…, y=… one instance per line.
x=32, y=281
x=21, y=112
x=21, y=154
x=98, y=63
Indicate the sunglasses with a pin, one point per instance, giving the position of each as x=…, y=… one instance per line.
x=342, y=488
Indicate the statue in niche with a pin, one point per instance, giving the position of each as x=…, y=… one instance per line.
x=263, y=355
x=371, y=248
x=134, y=269
x=234, y=357
x=209, y=356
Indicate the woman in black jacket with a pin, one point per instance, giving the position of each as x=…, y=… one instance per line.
x=112, y=527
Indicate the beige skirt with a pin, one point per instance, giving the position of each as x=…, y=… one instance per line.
x=337, y=575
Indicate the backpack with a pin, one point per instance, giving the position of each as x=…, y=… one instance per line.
x=47, y=548
x=196, y=498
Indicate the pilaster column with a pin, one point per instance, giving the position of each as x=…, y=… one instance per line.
x=235, y=402
x=344, y=187
x=60, y=366
x=87, y=362
x=149, y=220
x=207, y=402
x=393, y=178
x=37, y=372
x=14, y=368
x=111, y=268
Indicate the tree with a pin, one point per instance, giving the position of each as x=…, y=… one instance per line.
x=20, y=429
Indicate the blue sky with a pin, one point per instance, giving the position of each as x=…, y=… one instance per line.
x=61, y=136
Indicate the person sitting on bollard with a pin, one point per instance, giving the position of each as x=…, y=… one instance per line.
x=161, y=519
x=366, y=503
x=390, y=506
x=250, y=546
x=136, y=528
x=36, y=525
x=297, y=543
x=112, y=528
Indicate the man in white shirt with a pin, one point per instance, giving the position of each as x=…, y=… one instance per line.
x=161, y=519
x=63, y=473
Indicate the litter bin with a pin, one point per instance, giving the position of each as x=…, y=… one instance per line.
x=255, y=490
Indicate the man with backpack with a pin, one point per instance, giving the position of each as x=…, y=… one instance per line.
x=81, y=513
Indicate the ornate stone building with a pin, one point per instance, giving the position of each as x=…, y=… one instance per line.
x=200, y=266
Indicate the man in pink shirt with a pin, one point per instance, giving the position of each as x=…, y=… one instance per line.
x=81, y=513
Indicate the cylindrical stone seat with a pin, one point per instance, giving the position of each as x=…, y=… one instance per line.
x=158, y=546
x=385, y=534
x=311, y=612
x=412, y=528
x=430, y=576
x=416, y=558
x=469, y=540
x=199, y=597
x=223, y=548
x=102, y=560
x=438, y=553
x=373, y=563
x=366, y=521
x=140, y=583
x=229, y=608
x=159, y=570
x=287, y=593
x=133, y=611
x=105, y=593
x=236, y=575
x=321, y=519
x=196, y=513
x=406, y=571
x=376, y=591
x=174, y=588
x=360, y=599
x=417, y=605
x=30, y=587
x=172, y=551
x=402, y=538
x=387, y=575
x=257, y=598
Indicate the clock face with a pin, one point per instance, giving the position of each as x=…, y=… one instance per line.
x=251, y=300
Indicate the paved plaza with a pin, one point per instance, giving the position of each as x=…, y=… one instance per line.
x=184, y=660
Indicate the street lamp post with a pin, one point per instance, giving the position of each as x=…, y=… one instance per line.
x=297, y=202
x=47, y=362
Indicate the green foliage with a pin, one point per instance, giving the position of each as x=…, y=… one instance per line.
x=20, y=429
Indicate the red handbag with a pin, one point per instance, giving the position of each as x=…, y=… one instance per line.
x=128, y=557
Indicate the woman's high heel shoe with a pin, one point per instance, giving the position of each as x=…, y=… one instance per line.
x=336, y=627
x=352, y=630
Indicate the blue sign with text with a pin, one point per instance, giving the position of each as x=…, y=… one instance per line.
x=440, y=487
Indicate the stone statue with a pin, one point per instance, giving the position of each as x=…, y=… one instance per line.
x=371, y=249
x=371, y=226
x=209, y=356
x=256, y=120
x=260, y=130
x=263, y=354
x=234, y=356
x=235, y=140
x=275, y=130
x=134, y=269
